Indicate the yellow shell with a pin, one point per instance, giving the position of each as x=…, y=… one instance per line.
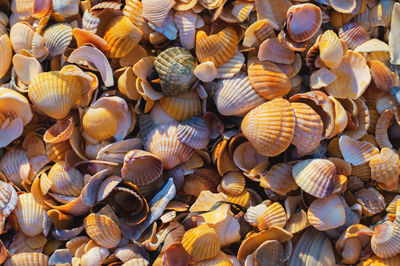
x=383, y=78
x=57, y=37
x=275, y=215
x=303, y=21
x=270, y=127
x=133, y=10
x=55, y=93
x=217, y=48
x=331, y=49
x=385, y=168
x=182, y=107
x=233, y=182
x=56, y=152
x=103, y=230
x=272, y=50
x=21, y=35
x=326, y=213
x=385, y=240
x=201, y=242
x=60, y=131
x=65, y=179
x=30, y=215
x=371, y=201
x=356, y=152
x=279, y=179
x=201, y=180
x=268, y=79
x=258, y=32
x=99, y=123
x=28, y=259
x=220, y=260
x=6, y=54
x=122, y=36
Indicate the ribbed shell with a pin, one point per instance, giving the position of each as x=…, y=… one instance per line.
x=103, y=230
x=194, y=132
x=220, y=260
x=385, y=168
x=385, y=240
x=272, y=50
x=270, y=127
x=186, y=23
x=217, y=48
x=258, y=32
x=54, y=93
x=5, y=55
x=201, y=242
x=231, y=67
x=15, y=166
x=202, y=179
x=303, y=21
x=326, y=213
x=331, y=49
x=315, y=176
x=275, y=215
x=308, y=129
x=236, y=101
x=30, y=215
x=279, y=179
x=182, y=107
x=370, y=200
x=268, y=79
x=156, y=11
x=90, y=21
x=8, y=198
x=28, y=259
x=228, y=230
x=233, y=182
x=99, y=123
x=57, y=37
x=122, y=36
x=383, y=78
x=275, y=11
x=353, y=34
x=65, y=179
x=66, y=8
x=133, y=10
x=357, y=152
x=21, y=35
x=175, y=68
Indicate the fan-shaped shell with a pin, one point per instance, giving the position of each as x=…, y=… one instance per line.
x=99, y=123
x=103, y=230
x=385, y=168
x=273, y=11
x=28, y=259
x=6, y=54
x=383, y=78
x=279, y=179
x=272, y=50
x=133, y=10
x=65, y=179
x=385, y=240
x=15, y=166
x=258, y=32
x=270, y=127
x=275, y=215
x=66, y=8
x=315, y=176
x=57, y=37
x=21, y=35
x=357, y=152
x=201, y=242
x=303, y=21
x=194, y=132
x=30, y=215
x=182, y=107
x=326, y=213
x=156, y=11
x=371, y=201
x=186, y=23
x=331, y=49
x=8, y=198
x=233, y=182
x=202, y=179
x=353, y=34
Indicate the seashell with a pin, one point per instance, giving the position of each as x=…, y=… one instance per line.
x=298, y=221
x=300, y=29
x=356, y=152
x=175, y=254
x=133, y=10
x=267, y=79
x=370, y=200
x=206, y=200
x=343, y=6
x=57, y=37
x=136, y=262
x=163, y=142
x=384, y=240
x=186, y=23
x=141, y=167
x=372, y=48
x=183, y=106
x=56, y=152
x=60, y=256
x=29, y=259
x=21, y=35
x=243, y=199
x=156, y=11
x=103, y=230
x=210, y=4
x=273, y=11
x=385, y=168
x=29, y=214
x=231, y=67
x=383, y=78
x=221, y=259
x=272, y=50
x=6, y=55
x=358, y=78
x=308, y=129
x=194, y=132
x=280, y=117
x=241, y=10
x=279, y=178
x=239, y=101
x=247, y=158
x=381, y=129
x=168, y=29
x=258, y=32
x=26, y=67
x=394, y=36
x=94, y=256
x=315, y=176
x=15, y=166
x=201, y=242
x=353, y=34
x=201, y=180
x=206, y=71
x=312, y=245
x=233, y=182
x=275, y=215
x=175, y=68
x=363, y=118
x=326, y=213
x=8, y=198
x=217, y=48
x=66, y=8
x=65, y=179
x=60, y=131
x=331, y=49
x=90, y=21
x=274, y=250
x=122, y=36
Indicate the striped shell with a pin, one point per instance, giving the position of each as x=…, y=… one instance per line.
x=30, y=215
x=279, y=179
x=186, y=23
x=28, y=259
x=303, y=21
x=383, y=78
x=65, y=179
x=66, y=8
x=21, y=35
x=99, y=123
x=233, y=182
x=385, y=168
x=272, y=50
x=371, y=201
x=357, y=152
x=201, y=242
x=15, y=166
x=270, y=127
x=331, y=49
x=133, y=10
x=57, y=37
x=273, y=11
x=274, y=215
x=194, y=132
x=8, y=198
x=156, y=11
x=103, y=230
x=182, y=107
x=326, y=213
x=385, y=240
x=6, y=54
x=353, y=34
x=258, y=32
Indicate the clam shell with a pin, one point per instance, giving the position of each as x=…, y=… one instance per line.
x=211, y=4
x=231, y=67
x=267, y=79
x=133, y=10
x=60, y=131
x=273, y=11
x=175, y=68
x=381, y=129
x=331, y=49
x=253, y=212
x=201, y=242
x=239, y=101
x=26, y=67
x=217, y=48
x=194, y=132
x=6, y=55
x=270, y=127
x=156, y=11
x=221, y=259
x=343, y=6
x=21, y=35
x=57, y=37
x=206, y=200
x=275, y=215
x=175, y=255
x=206, y=71
x=30, y=215
x=182, y=107
x=247, y=158
x=99, y=123
x=103, y=230
x=90, y=21
x=95, y=255
x=385, y=168
x=258, y=32
x=326, y=213
x=65, y=179
x=186, y=23
x=28, y=259
x=56, y=152
x=8, y=198
x=272, y=50
x=66, y=8
x=356, y=152
x=201, y=180
x=303, y=21
x=370, y=200
x=279, y=178
x=384, y=241
x=363, y=118
x=275, y=253
x=298, y=221
x=383, y=78
x=122, y=36
x=233, y=182
x=22, y=8
x=315, y=176
x=353, y=34
x=141, y=167
x=15, y=166
x=353, y=72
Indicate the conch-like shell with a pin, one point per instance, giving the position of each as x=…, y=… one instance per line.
x=303, y=21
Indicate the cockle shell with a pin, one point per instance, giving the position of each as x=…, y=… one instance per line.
x=331, y=49
x=194, y=132
x=156, y=11
x=385, y=168
x=383, y=78
x=353, y=34
x=57, y=37
x=343, y=6
x=381, y=129
x=30, y=215
x=233, y=182
x=326, y=213
x=221, y=259
x=357, y=152
x=65, y=179
x=103, y=230
x=67, y=8
x=6, y=55
x=90, y=21
x=274, y=215
x=371, y=201
x=15, y=166
x=279, y=178
x=272, y=50
x=201, y=242
x=303, y=21
x=21, y=35
x=8, y=198
x=273, y=11
x=29, y=259
x=270, y=127
x=186, y=23
x=201, y=180
x=182, y=107
x=60, y=131
x=258, y=32
x=384, y=241
x=133, y=10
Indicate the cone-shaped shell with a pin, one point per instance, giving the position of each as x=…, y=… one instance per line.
x=141, y=167
x=217, y=48
x=275, y=215
x=331, y=49
x=122, y=36
x=385, y=168
x=268, y=79
x=353, y=77
x=371, y=201
x=279, y=179
x=233, y=182
x=385, y=240
x=326, y=213
x=383, y=78
x=99, y=123
x=182, y=107
x=303, y=21
x=6, y=54
x=21, y=35
x=357, y=152
x=65, y=179
x=156, y=11
x=272, y=50
x=238, y=101
x=103, y=230
x=57, y=37
x=270, y=127
x=55, y=93
x=30, y=215
x=28, y=259
x=315, y=176
x=353, y=34
x=175, y=68
x=194, y=132
x=201, y=242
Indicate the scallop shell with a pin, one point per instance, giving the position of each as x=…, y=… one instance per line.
x=315, y=176
x=8, y=198
x=267, y=79
x=133, y=10
x=28, y=259
x=272, y=50
x=65, y=179
x=186, y=23
x=343, y=6
x=274, y=250
x=156, y=11
x=15, y=166
x=175, y=68
x=233, y=182
x=221, y=260
x=103, y=230
x=217, y=48
x=326, y=213
x=201, y=242
x=56, y=152
x=99, y=123
x=247, y=158
x=122, y=36
x=90, y=21
x=383, y=78
x=331, y=49
x=273, y=11
x=239, y=101
x=66, y=8
x=21, y=35
x=270, y=127
x=384, y=241
x=57, y=37
x=183, y=106
x=279, y=178
x=141, y=167
x=60, y=131
x=308, y=129
x=353, y=34
x=30, y=215
x=95, y=255
x=275, y=215
x=371, y=201
x=356, y=152
x=385, y=168
x=303, y=21
x=194, y=132
x=201, y=180
x=206, y=200
x=6, y=55
x=258, y=32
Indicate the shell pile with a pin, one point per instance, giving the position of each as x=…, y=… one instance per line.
x=199, y=132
